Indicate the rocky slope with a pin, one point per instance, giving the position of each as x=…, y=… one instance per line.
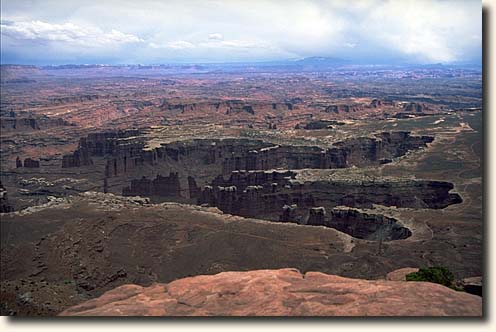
x=113, y=240
x=285, y=292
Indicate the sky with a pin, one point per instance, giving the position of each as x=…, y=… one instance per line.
x=202, y=31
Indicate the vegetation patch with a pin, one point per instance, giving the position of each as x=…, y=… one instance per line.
x=436, y=274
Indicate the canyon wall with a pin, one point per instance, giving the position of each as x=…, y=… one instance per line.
x=231, y=106
x=15, y=123
x=239, y=176
x=125, y=150
x=367, y=226
x=266, y=194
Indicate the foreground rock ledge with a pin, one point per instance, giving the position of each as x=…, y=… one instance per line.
x=284, y=292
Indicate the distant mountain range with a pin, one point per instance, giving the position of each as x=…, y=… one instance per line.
x=311, y=64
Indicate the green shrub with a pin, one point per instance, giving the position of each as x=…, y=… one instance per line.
x=435, y=274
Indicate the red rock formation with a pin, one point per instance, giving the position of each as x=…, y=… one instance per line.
x=340, y=108
x=284, y=292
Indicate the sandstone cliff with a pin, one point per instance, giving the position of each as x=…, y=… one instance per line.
x=26, y=122
x=257, y=193
x=125, y=150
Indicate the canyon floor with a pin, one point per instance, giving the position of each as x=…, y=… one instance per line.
x=126, y=176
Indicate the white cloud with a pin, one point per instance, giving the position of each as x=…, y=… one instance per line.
x=180, y=44
x=235, y=44
x=66, y=32
x=214, y=30
x=428, y=31
x=215, y=36
x=177, y=45
x=214, y=43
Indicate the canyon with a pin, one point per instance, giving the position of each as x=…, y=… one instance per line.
x=256, y=185
x=117, y=182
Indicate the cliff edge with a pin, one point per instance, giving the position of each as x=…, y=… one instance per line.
x=284, y=292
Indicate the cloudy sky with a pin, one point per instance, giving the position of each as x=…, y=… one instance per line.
x=168, y=31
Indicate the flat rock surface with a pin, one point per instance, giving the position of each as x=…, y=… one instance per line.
x=284, y=292
x=400, y=274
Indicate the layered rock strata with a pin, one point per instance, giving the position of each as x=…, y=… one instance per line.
x=265, y=194
x=125, y=150
x=367, y=226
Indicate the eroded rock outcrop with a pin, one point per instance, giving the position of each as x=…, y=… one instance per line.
x=126, y=150
x=265, y=193
x=193, y=189
x=367, y=226
x=115, y=144
x=5, y=205
x=228, y=107
x=20, y=123
x=316, y=216
x=28, y=163
x=414, y=107
x=31, y=163
x=162, y=186
x=285, y=292
x=250, y=191
x=77, y=159
x=289, y=213
x=375, y=103
x=343, y=108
